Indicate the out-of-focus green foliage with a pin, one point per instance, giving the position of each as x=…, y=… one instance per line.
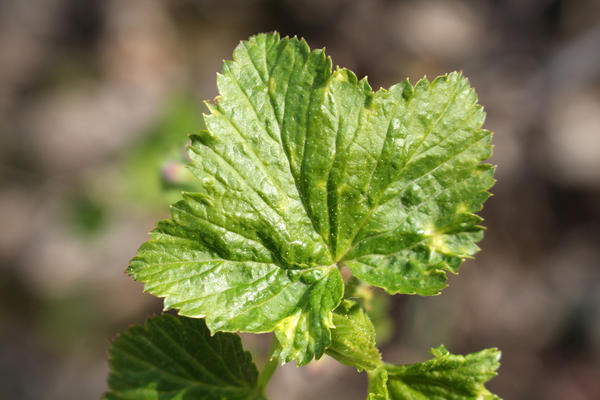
x=86, y=213
x=154, y=172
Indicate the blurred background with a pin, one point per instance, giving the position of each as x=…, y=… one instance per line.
x=96, y=99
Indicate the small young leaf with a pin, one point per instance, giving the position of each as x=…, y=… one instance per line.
x=302, y=170
x=176, y=358
x=353, y=339
x=378, y=380
x=446, y=376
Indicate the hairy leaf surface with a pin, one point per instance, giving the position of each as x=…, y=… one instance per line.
x=177, y=358
x=353, y=339
x=445, y=377
x=302, y=170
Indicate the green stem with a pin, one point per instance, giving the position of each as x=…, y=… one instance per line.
x=270, y=365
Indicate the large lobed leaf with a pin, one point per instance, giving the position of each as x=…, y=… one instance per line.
x=176, y=358
x=302, y=170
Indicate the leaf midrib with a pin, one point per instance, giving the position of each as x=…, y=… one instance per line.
x=280, y=126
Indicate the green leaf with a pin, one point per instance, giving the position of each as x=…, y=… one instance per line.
x=375, y=303
x=177, y=358
x=243, y=251
x=353, y=339
x=412, y=218
x=302, y=170
x=378, y=380
x=446, y=376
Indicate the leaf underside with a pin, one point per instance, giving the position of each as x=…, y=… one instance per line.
x=176, y=358
x=303, y=169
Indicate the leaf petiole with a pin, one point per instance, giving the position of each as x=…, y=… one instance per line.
x=270, y=366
